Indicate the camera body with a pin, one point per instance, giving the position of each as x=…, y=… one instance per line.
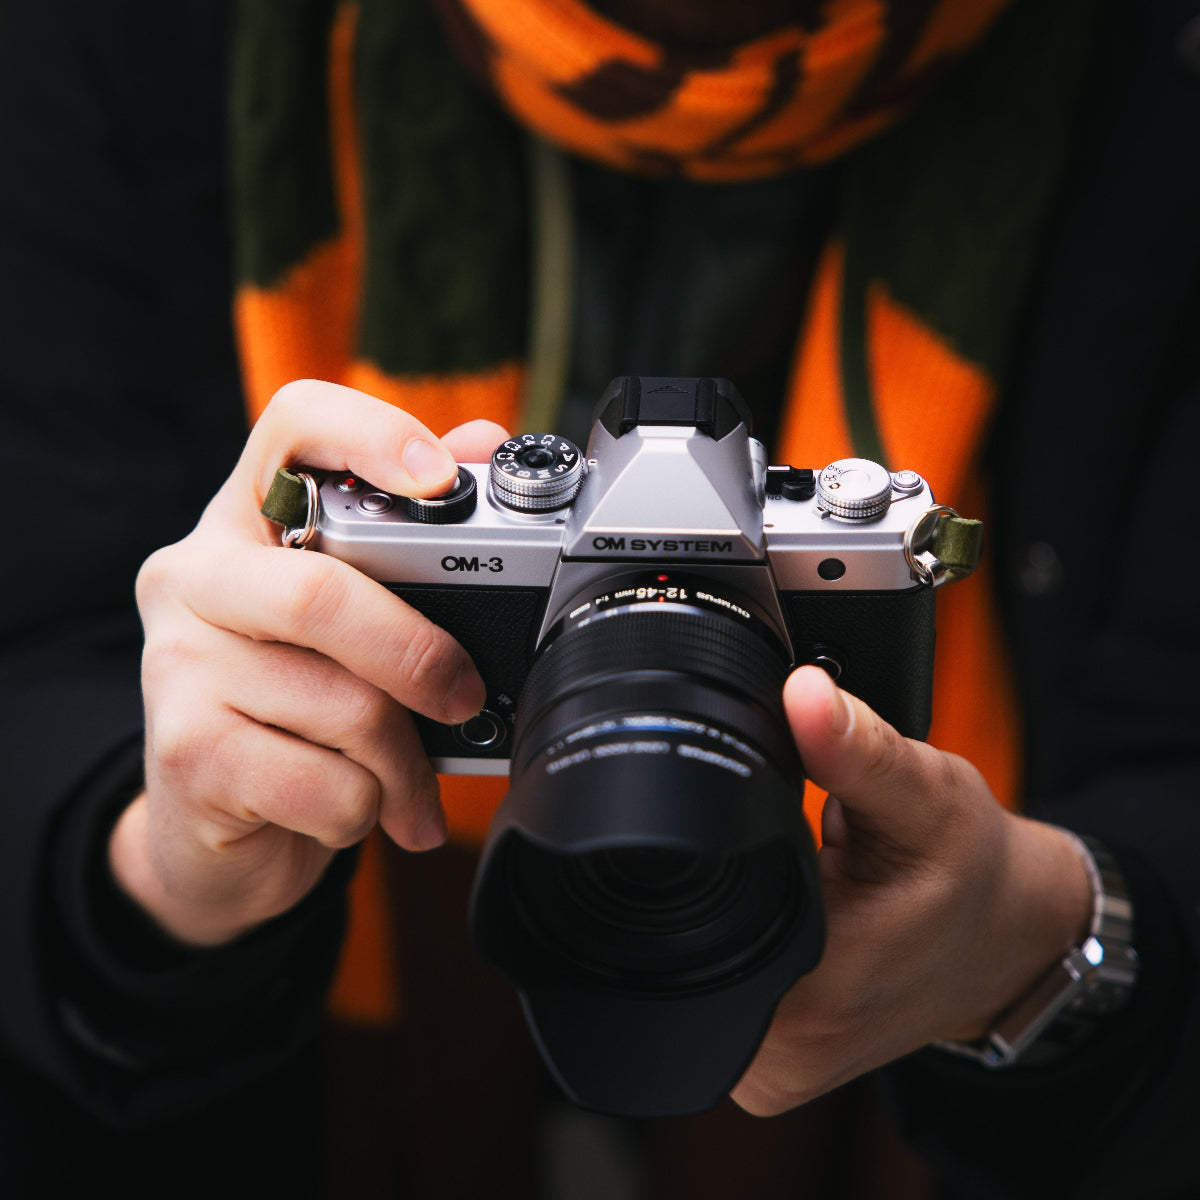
x=649, y=882
x=665, y=488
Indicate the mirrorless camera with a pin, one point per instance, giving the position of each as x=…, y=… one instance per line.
x=649, y=884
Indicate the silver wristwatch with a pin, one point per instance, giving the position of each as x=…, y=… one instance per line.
x=1092, y=981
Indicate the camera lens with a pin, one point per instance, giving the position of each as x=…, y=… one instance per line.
x=654, y=920
x=658, y=789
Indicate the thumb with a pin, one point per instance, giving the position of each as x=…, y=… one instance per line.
x=887, y=785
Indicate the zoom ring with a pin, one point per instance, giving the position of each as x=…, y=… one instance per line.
x=699, y=645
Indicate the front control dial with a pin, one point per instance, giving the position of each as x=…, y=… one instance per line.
x=450, y=507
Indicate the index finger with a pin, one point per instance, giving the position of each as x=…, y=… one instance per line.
x=317, y=601
x=339, y=429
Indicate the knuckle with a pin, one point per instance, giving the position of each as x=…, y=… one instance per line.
x=883, y=751
x=166, y=657
x=292, y=397
x=349, y=813
x=310, y=599
x=951, y=776
x=427, y=657
x=181, y=741
x=364, y=711
x=155, y=577
x=314, y=792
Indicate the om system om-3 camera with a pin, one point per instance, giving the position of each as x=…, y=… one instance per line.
x=649, y=885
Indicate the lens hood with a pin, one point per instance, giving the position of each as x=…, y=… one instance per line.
x=651, y=901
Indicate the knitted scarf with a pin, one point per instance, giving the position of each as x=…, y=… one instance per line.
x=797, y=95
x=382, y=233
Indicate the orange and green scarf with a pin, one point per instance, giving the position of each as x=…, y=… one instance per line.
x=383, y=236
x=805, y=92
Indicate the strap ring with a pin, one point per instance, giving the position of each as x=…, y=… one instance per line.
x=297, y=537
x=926, y=566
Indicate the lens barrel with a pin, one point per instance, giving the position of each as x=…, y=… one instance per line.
x=648, y=884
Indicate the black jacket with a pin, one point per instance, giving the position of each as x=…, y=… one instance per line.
x=122, y=414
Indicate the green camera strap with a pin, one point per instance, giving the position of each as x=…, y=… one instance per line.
x=287, y=499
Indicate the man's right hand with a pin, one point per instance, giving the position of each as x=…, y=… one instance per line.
x=277, y=683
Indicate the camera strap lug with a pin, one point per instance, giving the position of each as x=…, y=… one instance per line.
x=941, y=546
x=293, y=502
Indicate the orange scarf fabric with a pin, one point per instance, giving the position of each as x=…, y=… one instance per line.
x=800, y=95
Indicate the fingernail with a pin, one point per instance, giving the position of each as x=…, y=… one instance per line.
x=841, y=715
x=466, y=694
x=428, y=464
x=432, y=831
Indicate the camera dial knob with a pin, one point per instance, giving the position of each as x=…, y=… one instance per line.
x=855, y=489
x=455, y=505
x=536, y=472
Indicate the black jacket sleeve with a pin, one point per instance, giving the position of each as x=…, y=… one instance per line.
x=120, y=414
x=1094, y=471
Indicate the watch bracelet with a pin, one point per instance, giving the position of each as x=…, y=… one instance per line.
x=1068, y=1003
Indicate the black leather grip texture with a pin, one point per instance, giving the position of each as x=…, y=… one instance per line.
x=496, y=626
x=885, y=641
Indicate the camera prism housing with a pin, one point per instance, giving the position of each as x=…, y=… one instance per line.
x=649, y=883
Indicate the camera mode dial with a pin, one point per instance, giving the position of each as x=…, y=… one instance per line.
x=855, y=489
x=536, y=472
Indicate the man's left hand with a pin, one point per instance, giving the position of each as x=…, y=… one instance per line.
x=942, y=908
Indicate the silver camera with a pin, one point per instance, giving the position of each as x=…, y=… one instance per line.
x=649, y=882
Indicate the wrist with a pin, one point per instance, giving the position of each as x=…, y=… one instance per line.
x=1041, y=908
x=1092, y=979
x=134, y=870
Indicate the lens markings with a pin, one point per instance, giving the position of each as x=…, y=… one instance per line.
x=714, y=760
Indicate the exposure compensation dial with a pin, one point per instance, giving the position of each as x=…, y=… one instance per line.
x=854, y=489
